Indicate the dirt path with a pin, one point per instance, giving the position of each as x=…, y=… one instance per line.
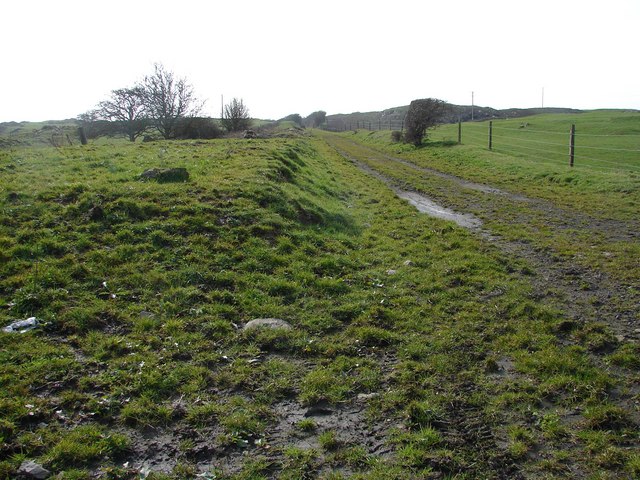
x=584, y=293
x=554, y=215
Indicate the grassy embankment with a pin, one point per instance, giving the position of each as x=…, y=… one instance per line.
x=142, y=287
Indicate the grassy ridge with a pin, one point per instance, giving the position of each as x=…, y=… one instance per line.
x=143, y=287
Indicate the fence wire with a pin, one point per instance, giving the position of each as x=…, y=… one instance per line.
x=528, y=142
x=535, y=146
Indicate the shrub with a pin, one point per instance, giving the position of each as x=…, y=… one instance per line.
x=423, y=114
x=198, y=128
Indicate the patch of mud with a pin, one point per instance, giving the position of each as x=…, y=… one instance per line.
x=583, y=294
x=469, y=431
x=161, y=449
x=348, y=420
x=154, y=449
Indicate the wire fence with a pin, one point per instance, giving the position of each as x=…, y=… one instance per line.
x=342, y=125
x=570, y=146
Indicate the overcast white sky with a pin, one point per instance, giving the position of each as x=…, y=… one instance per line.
x=59, y=58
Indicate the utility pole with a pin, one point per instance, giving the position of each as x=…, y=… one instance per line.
x=471, y=106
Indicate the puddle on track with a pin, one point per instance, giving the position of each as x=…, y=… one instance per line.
x=425, y=205
x=422, y=203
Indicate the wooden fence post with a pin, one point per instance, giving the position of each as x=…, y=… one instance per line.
x=572, y=144
x=83, y=137
x=490, y=134
x=459, y=132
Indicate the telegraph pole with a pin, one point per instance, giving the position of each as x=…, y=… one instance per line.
x=471, y=106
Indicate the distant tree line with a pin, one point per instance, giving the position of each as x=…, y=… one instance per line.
x=166, y=105
x=163, y=103
x=296, y=118
x=313, y=120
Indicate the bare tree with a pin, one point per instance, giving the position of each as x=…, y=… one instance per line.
x=94, y=125
x=168, y=99
x=236, y=116
x=423, y=114
x=126, y=107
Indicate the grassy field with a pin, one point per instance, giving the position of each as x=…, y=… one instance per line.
x=417, y=349
x=605, y=140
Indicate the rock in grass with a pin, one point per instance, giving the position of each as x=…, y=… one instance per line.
x=31, y=469
x=267, y=323
x=249, y=134
x=21, y=326
x=166, y=175
x=95, y=213
x=367, y=396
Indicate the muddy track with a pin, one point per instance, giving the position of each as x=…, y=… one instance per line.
x=555, y=216
x=583, y=293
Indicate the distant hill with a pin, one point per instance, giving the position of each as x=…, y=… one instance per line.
x=50, y=132
x=392, y=118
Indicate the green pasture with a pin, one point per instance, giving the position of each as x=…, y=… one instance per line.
x=605, y=140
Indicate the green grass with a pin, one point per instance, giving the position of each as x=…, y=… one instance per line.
x=606, y=140
x=143, y=289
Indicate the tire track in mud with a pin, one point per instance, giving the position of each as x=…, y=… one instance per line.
x=583, y=294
